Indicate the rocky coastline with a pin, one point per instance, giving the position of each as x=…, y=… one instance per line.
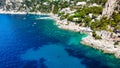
x=106, y=44
x=103, y=45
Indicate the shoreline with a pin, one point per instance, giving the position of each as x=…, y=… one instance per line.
x=14, y=12
x=67, y=25
x=103, y=45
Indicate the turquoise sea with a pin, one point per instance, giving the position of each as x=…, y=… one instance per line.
x=29, y=42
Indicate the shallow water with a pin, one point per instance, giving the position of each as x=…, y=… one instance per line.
x=29, y=42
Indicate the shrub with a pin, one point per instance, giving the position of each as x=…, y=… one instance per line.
x=98, y=1
x=56, y=8
x=64, y=16
x=79, y=20
x=70, y=18
x=116, y=17
x=116, y=43
x=87, y=21
x=96, y=36
x=94, y=10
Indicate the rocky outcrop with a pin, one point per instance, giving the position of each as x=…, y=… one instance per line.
x=2, y=3
x=13, y=4
x=110, y=7
x=118, y=6
x=8, y=5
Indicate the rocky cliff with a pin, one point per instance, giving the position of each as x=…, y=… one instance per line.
x=20, y=5
x=110, y=7
x=8, y=5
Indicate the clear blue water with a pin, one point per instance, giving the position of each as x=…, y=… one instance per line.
x=26, y=42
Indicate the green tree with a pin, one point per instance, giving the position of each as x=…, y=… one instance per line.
x=70, y=18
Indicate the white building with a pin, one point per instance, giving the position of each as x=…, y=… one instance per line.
x=81, y=3
x=94, y=5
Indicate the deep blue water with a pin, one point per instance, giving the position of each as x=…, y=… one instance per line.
x=26, y=42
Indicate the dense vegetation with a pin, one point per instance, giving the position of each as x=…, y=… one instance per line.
x=103, y=24
x=102, y=2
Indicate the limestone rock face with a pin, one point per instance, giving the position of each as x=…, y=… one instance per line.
x=10, y=4
x=110, y=7
x=13, y=4
x=2, y=3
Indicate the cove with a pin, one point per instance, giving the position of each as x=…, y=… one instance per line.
x=29, y=42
